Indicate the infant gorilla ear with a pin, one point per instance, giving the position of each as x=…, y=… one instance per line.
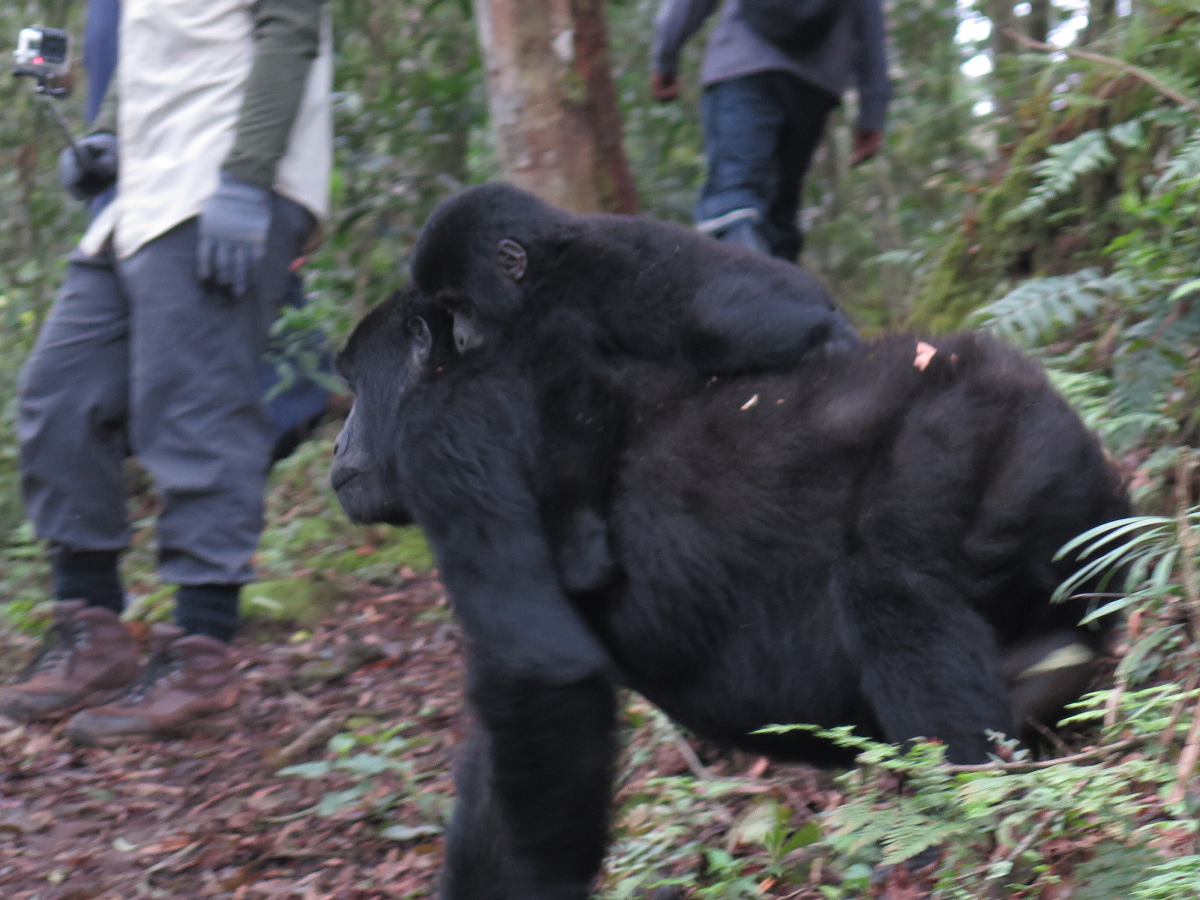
x=512, y=259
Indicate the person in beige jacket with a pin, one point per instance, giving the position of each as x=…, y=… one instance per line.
x=219, y=121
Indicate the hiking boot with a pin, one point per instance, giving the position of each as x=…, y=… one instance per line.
x=187, y=687
x=87, y=659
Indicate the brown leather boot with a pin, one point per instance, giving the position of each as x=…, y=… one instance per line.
x=187, y=687
x=89, y=656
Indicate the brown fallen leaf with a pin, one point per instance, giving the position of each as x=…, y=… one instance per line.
x=925, y=352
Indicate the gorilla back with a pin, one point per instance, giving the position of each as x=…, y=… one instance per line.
x=858, y=542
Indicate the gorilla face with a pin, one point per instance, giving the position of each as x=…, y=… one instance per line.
x=363, y=473
x=472, y=257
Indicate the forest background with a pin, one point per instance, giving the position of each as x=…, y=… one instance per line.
x=1040, y=177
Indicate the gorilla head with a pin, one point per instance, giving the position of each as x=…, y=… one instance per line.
x=475, y=253
x=363, y=470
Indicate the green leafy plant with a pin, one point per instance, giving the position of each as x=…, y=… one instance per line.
x=360, y=758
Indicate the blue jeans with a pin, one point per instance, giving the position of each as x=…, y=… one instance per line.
x=760, y=133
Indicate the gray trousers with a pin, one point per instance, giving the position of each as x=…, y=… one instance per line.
x=136, y=356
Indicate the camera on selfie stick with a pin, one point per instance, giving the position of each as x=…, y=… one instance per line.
x=44, y=54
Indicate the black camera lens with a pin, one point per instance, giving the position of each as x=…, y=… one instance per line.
x=54, y=48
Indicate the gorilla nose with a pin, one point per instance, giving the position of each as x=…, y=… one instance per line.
x=340, y=476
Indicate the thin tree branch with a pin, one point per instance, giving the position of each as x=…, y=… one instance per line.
x=1187, y=759
x=689, y=755
x=1188, y=540
x=1168, y=732
x=1019, y=767
x=1128, y=68
x=1113, y=702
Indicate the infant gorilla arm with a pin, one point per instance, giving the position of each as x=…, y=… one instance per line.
x=577, y=294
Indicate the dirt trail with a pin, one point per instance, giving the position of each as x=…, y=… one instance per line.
x=212, y=818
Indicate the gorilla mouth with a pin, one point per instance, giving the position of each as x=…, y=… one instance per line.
x=340, y=476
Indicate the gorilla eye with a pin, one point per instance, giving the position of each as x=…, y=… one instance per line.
x=511, y=258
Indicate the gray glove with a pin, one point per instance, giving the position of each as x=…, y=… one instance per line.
x=233, y=234
x=90, y=167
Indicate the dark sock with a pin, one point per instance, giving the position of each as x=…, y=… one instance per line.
x=91, y=575
x=210, y=609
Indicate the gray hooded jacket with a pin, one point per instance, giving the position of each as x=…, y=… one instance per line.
x=856, y=43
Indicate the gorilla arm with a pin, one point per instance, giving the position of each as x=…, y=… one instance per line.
x=540, y=683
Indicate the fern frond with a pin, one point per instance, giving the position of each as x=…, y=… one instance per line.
x=1065, y=165
x=1041, y=306
x=1129, y=135
x=1183, y=166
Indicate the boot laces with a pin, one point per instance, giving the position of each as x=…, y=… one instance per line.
x=163, y=665
x=56, y=649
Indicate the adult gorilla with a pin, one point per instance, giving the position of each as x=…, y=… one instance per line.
x=858, y=542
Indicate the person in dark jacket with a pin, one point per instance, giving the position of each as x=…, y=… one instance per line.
x=764, y=111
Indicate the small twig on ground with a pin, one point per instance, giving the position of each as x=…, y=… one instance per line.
x=1187, y=759
x=1113, y=702
x=319, y=732
x=1018, y=767
x=1188, y=541
x=174, y=858
x=1128, y=68
x=1168, y=732
x=223, y=795
x=689, y=755
x=1050, y=736
x=1026, y=842
x=1178, y=308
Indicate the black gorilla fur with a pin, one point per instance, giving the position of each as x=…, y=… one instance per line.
x=502, y=261
x=858, y=542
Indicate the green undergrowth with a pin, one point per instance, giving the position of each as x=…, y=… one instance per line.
x=309, y=557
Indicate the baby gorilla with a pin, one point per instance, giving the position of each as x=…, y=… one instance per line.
x=577, y=296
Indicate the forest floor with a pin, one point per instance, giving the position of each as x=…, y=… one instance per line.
x=367, y=703
x=214, y=818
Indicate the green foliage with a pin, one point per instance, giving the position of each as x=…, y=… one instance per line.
x=1010, y=829
x=411, y=128
x=1042, y=306
x=1065, y=164
x=356, y=762
x=38, y=222
x=875, y=232
x=1085, y=143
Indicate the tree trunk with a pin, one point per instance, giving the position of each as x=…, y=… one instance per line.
x=1100, y=16
x=1004, y=71
x=1039, y=20
x=553, y=102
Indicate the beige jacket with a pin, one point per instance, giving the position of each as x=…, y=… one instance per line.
x=183, y=70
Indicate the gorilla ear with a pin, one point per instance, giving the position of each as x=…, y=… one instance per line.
x=420, y=343
x=510, y=256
